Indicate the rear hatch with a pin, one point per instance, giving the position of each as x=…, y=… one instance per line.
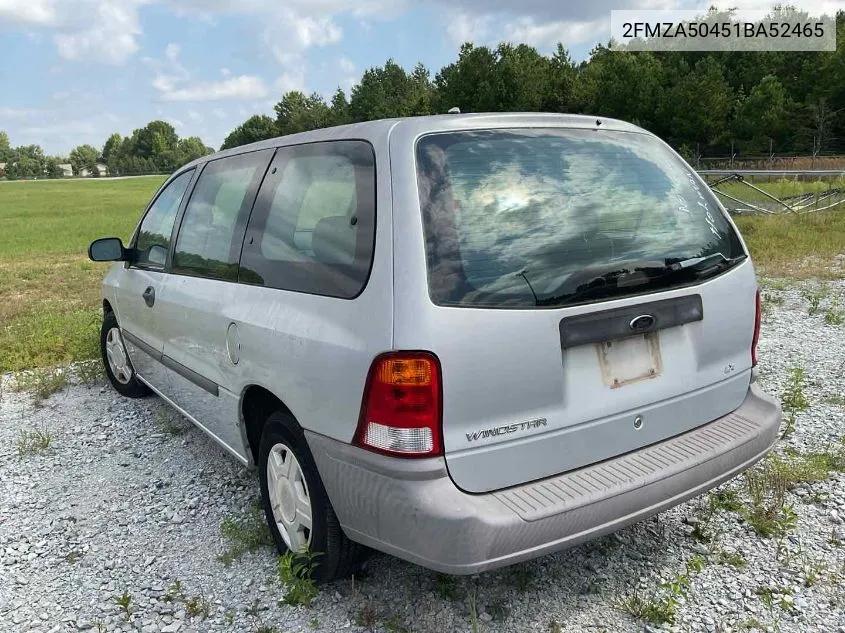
x=587, y=296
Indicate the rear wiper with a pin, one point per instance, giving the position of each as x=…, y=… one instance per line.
x=643, y=275
x=619, y=278
x=703, y=264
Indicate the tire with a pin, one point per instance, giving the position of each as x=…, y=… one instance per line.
x=121, y=373
x=337, y=555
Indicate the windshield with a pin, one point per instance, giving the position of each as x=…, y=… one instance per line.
x=519, y=217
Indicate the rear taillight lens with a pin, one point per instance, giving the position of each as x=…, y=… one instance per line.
x=401, y=408
x=756, y=331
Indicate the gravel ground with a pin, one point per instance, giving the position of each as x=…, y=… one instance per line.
x=124, y=502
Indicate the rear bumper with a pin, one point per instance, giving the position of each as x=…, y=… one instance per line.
x=412, y=509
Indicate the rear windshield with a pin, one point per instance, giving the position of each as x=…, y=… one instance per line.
x=517, y=218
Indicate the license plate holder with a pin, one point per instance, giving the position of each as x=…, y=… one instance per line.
x=630, y=360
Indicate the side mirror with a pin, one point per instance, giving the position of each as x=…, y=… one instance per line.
x=107, y=249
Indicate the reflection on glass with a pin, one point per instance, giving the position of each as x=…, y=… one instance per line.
x=205, y=243
x=157, y=225
x=511, y=215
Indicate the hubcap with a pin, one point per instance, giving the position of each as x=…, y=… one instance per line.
x=289, y=498
x=117, y=358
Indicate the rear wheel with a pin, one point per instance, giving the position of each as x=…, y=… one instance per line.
x=297, y=507
x=116, y=361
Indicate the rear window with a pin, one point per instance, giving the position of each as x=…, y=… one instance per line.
x=514, y=218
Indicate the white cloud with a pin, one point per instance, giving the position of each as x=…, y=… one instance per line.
x=241, y=87
x=543, y=34
x=16, y=113
x=349, y=76
x=464, y=27
x=548, y=34
x=108, y=30
x=174, y=82
x=293, y=80
x=544, y=23
x=315, y=32
x=171, y=51
x=28, y=12
x=165, y=83
x=101, y=31
x=93, y=30
x=270, y=7
x=169, y=73
x=288, y=35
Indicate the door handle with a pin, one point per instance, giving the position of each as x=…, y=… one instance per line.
x=149, y=296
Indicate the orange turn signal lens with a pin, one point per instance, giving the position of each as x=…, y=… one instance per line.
x=414, y=371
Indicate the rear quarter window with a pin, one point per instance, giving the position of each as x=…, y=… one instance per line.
x=509, y=215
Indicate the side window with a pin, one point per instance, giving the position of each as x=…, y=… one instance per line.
x=211, y=233
x=313, y=226
x=153, y=239
x=312, y=188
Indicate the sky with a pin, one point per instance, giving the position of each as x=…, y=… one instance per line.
x=75, y=71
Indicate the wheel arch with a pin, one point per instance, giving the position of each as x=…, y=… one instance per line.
x=257, y=403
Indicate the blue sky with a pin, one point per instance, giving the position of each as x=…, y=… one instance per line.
x=74, y=71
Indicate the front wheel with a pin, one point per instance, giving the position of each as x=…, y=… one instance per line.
x=296, y=504
x=116, y=361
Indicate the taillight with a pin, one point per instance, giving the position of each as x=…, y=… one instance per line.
x=756, y=332
x=401, y=408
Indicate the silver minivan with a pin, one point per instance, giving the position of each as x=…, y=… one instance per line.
x=464, y=340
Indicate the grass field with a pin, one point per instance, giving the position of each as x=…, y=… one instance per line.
x=49, y=291
x=782, y=188
x=794, y=245
x=50, y=295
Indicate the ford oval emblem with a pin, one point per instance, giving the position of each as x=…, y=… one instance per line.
x=642, y=323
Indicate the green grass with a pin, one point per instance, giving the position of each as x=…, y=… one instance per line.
x=768, y=484
x=49, y=291
x=780, y=188
x=41, y=383
x=34, y=441
x=801, y=246
x=797, y=246
x=68, y=214
x=124, y=603
x=734, y=559
x=244, y=534
x=296, y=571
x=49, y=335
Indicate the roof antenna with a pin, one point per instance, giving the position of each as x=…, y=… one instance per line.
x=455, y=110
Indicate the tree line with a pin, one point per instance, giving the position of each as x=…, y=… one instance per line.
x=26, y=161
x=750, y=103
x=154, y=148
